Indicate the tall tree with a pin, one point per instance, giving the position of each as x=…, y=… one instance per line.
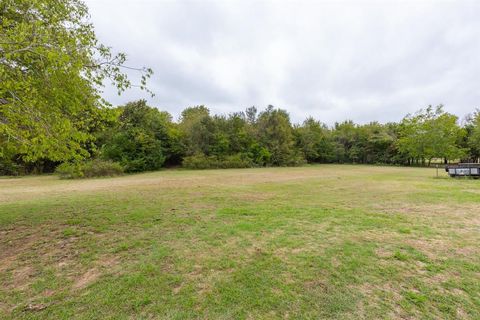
x=140, y=139
x=473, y=140
x=345, y=136
x=314, y=140
x=376, y=143
x=51, y=70
x=431, y=133
x=198, y=130
x=275, y=133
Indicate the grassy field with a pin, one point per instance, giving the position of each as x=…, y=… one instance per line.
x=327, y=241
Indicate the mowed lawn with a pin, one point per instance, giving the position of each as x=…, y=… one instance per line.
x=326, y=241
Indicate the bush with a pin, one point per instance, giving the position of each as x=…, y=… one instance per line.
x=101, y=168
x=69, y=170
x=9, y=168
x=296, y=161
x=236, y=161
x=201, y=161
x=89, y=169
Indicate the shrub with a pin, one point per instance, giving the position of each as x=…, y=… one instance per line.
x=201, y=161
x=89, y=169
x=69, y=170
x=140, y=139
x=9, y=168
x=236, y=161
x=101, y=168
x=295, y=161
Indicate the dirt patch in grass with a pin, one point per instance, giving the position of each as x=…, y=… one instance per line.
x=435, y=248
x=22, y=249
x=45, y=242
x=468, y=251
x=108, y=262
x=5, y=308
x=316, y=285
x=104, y=265
x=14, y=243
x=430, y=247
x=461, y=314
x=472, y=191
x=253, y=196
x=383, y=253
x=466, y=212
x=86, y=279
x=21, y=252
x=388, y=292
x=22, y=277
x=202, y=279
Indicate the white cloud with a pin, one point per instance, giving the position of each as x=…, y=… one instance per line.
x=335, y=60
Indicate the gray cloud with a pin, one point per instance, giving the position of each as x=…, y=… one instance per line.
x=369, y=60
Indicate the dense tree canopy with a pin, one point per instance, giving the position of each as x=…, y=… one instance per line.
x=314, y=140
x=431, y=133
x=473, y=135
x=241, y=139
x=141, y=138
x=51, y=69
x=275, y=133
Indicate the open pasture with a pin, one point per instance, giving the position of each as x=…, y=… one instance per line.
x=326, y=241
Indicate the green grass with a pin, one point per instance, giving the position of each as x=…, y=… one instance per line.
x=326, y=241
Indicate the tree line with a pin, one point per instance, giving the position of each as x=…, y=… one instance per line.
x=52, y=69
x=143, y=138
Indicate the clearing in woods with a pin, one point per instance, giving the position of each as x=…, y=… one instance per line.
x=326, y=241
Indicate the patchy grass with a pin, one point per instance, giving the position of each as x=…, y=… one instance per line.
x=327, y=241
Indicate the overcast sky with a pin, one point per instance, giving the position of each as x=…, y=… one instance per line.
x=333, y=60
